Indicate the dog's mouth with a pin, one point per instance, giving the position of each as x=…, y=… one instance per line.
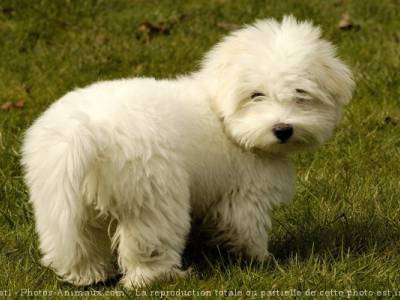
x=293, y=144
x=282, y=142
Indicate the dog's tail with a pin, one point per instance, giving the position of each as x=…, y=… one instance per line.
x=56, y=155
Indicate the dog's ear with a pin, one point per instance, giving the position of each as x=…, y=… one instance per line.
x=221, y=76
x=339, y=81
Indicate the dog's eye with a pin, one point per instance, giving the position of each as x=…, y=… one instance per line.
x=257, y=96
x=300, y=91
x=302, y=96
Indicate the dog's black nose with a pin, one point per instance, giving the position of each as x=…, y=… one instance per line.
x=282, y=131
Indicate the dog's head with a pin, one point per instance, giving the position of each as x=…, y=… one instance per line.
x=277, y=87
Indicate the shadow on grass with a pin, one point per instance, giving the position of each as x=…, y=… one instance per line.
x=314, y=240
x=331, y=240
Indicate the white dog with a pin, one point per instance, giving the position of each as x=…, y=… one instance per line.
x=124, y=165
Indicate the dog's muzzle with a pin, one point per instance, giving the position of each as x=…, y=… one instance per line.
x=282, y=131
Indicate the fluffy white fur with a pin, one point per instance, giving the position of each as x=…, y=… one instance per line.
x=124, y=165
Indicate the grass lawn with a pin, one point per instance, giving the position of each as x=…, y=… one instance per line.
x=341, y=232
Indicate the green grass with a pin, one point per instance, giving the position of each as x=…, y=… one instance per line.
x=342, y=230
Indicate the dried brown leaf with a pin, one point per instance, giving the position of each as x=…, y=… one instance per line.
x=228, y=26
x=8, y=11
x=154, y=28
x=9, y=105
x=147, y=30
x=100, y=39
x=19, y=104
x=6, y=106
x=345, y=22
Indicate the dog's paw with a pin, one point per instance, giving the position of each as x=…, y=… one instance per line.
x=260, y=255
x=263, y=257
x=143, y=276
x=83, y=276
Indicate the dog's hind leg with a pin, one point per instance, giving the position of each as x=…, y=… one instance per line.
x=56, y=163
x=151, y=238
x=93, y=255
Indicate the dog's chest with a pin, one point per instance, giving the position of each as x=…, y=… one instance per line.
x=271, y=182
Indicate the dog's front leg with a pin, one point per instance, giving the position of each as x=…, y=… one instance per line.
x=240, y=221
